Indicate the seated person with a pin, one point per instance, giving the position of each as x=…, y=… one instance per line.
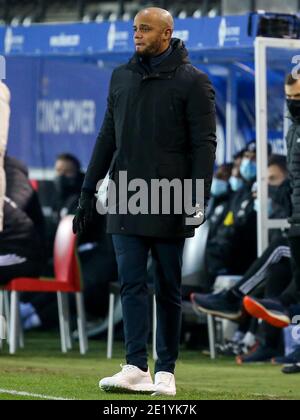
x=4, y=124
x=225, y=251
x=272, y=269
x=226, y=182
x=67, y=185
x=68, y=182
x=279, y=202
x=95, y=251
x=220, y=197
x=21, y=241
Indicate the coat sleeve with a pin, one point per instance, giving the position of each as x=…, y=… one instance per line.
x=103, y=150
x=4, y=125
x=201, y=117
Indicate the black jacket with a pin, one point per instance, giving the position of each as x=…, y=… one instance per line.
x=281, y=207
x=234, y=247
x=23, y=219
x=293, y=146
x=217, y=211
x=157, y=125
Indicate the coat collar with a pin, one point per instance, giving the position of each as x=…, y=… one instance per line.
x=178, y=56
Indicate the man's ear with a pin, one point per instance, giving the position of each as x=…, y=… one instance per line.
x=168, y=33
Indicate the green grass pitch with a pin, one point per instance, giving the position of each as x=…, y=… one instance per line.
x=41, y=369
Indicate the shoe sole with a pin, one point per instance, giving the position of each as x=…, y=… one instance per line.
x=259, y=311
x=160, y=393
x=230, y=317
x=291, y=369
x=125, y=390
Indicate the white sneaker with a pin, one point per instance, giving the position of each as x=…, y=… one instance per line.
x=131, y=378
x=164, y=384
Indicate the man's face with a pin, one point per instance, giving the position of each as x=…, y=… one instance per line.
x=293, y=91
x=223, y=173
x=65, y=168
x=236, y=171
x=151, y=36
x=276, y=176
x=237, y=162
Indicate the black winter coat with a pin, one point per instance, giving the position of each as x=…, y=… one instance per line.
x=293, y=146
x=157, y=125
x=23, y=219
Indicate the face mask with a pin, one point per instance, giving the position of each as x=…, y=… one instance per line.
x=66, y=186
x=273, y=191
x=248, y=170
x=270, y=206
x=236, y=183
x=219, y=187
x=293, y=107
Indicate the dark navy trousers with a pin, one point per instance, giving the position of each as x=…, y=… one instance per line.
x=132, y=256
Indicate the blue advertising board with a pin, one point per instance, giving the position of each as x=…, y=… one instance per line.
x=81, y=38
x=59, y=76
x=57, y=106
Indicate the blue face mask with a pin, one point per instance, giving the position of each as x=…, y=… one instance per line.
x=219, y=187
x=248, y=170
x=270, y=206
x=236, y=183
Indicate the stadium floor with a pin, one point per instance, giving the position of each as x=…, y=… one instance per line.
x=43, y=372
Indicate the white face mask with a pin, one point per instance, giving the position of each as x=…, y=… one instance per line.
x=248, y=169
x=270, y=206
x=219, y=187
x=236, y=183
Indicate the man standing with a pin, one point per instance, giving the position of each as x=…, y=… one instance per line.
x=4, y=123
x=159, y=123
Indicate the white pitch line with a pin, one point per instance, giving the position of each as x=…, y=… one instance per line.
x=28, y=394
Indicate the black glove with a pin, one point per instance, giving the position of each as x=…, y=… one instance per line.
x=84, y=212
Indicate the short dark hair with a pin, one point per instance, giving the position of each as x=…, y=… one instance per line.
x=278, y=160
x=252, y=147
x=290, y=79
x=70, y=158
x=239, y=155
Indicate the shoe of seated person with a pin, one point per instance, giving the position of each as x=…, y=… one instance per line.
x=290, y=359
x=129, y=379
x=164, y=384
x=290, y=369
x=269, y=310
x=261, y=355
x=218, y=304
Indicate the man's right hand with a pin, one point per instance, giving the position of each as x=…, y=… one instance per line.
x=84, y=213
